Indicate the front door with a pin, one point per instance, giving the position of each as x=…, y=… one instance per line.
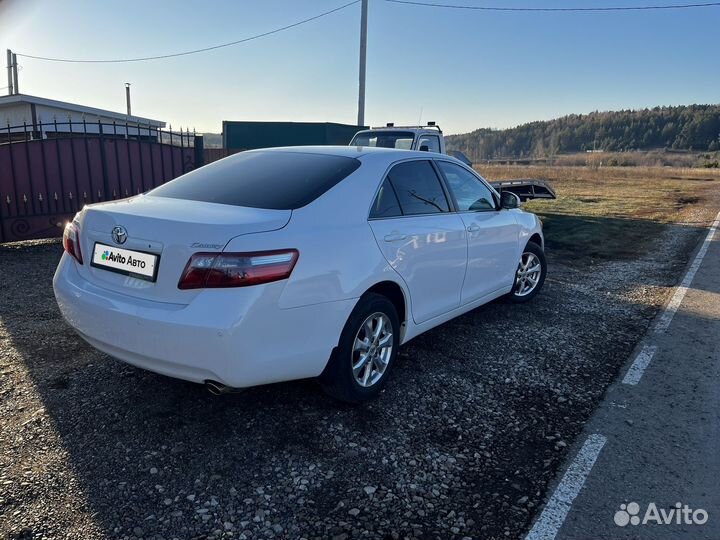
x=492, y=234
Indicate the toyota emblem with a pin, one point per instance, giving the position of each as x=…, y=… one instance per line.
x=119, y=234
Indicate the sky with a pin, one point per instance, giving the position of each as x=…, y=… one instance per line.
x=463, y=69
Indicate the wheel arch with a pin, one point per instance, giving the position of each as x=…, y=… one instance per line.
x=396, y=294
x=537, y=239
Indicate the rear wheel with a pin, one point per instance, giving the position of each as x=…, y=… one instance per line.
x=530, y=274
x=360, y=365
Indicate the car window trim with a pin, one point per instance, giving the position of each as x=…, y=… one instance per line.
x=496, y=197
x=450, y=200
x=452, y=204
x=377, y=194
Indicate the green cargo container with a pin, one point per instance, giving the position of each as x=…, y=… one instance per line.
x=249, y=135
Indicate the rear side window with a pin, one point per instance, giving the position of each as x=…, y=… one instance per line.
x=270, y=180
x=386, y=204
x=418, y=188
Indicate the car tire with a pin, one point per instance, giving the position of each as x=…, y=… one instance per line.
x=360, y=365
x=521, y=292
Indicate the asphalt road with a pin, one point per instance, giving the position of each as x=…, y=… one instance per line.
x=661, y=427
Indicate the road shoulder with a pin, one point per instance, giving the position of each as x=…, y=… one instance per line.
x=660, y=422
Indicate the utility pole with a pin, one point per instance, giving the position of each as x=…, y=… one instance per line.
x=16, y=87
x=127, y=97
x=11, y=90
x=13, y=86
x=363, y=61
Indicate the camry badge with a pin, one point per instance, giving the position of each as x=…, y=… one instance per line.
x=119, y=234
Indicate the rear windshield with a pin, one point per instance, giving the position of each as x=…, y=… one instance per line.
x=384, y=139
x=271, y=180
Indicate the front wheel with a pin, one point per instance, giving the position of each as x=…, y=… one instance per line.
x=360, y=364
x=530, y=274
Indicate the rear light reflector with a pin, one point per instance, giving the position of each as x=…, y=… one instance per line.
x=71, y=241
x=217, y=270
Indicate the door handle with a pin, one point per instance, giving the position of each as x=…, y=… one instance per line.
x=473, y=228
x=395, y=237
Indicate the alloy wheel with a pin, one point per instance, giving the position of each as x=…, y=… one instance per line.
x=528, y=274
x=372, y=349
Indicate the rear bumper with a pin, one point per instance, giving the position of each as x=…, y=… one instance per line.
x=238, y=337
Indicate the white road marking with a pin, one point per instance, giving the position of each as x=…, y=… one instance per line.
x=637, y=368
x=557, y=508
x=667, y=316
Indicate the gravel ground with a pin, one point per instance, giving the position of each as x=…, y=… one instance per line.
x=477, y=418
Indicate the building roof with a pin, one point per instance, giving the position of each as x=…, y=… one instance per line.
x=82, y=109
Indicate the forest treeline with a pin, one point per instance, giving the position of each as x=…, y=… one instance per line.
x=690, y=127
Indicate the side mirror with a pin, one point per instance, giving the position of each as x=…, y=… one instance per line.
x=424, y=148
x=508, y=200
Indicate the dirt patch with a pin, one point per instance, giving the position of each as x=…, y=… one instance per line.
x=693, y=179
x=589, y=200
x=683, y=201
x=580, y=240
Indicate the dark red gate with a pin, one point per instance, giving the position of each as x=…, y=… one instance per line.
x=50, y=171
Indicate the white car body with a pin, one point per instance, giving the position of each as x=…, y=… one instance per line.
x=443, y=264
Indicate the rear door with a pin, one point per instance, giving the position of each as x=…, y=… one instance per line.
x=420, y=237
x=492, y=234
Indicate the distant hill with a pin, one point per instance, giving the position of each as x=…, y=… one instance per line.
x=691, y=127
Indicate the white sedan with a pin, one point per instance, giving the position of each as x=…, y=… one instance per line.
x=287, y=263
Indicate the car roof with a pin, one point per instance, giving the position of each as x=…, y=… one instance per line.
x=351, y=151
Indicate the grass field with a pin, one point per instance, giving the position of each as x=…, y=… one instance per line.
x=616, y=212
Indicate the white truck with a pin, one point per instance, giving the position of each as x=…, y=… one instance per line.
x=429, y=138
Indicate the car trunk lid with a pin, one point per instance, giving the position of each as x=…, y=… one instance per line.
x=172, y=230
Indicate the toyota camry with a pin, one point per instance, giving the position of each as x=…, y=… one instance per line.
x=288, y=263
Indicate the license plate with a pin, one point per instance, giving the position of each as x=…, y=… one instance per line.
x=125, y=261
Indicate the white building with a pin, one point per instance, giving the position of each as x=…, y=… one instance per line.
x=20, y=113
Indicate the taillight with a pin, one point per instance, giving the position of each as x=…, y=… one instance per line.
x=71, y=241
x=215, y=270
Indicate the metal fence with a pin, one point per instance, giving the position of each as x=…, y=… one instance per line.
x=49, y=171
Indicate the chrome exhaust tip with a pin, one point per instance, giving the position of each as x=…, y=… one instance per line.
x=219, y=389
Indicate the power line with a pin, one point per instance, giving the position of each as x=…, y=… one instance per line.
x=556, y=9
x=194, y=51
